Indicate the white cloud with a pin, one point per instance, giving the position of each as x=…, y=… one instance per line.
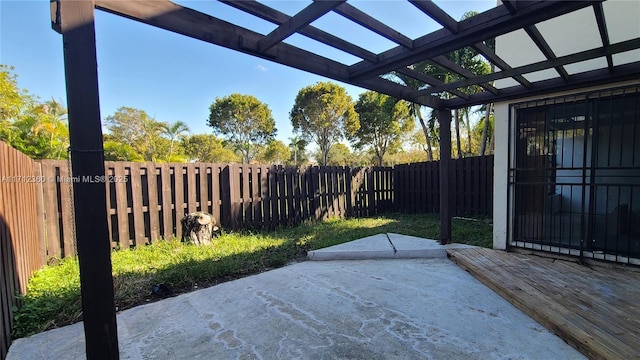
x=262, y=68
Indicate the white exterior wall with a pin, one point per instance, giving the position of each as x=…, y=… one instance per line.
x=500, y=175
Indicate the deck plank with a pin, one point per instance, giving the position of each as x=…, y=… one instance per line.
x=595, y=309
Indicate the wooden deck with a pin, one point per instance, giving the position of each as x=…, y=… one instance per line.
x=594, y=309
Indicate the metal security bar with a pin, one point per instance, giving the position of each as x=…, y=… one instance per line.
x=574, y=175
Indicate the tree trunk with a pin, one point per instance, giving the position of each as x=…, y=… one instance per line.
x=456, y=117
x=468, y=126
x=425, y=130
x=485, y=130
x=198, y=227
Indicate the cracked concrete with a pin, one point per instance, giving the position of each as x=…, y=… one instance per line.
x=420, y=308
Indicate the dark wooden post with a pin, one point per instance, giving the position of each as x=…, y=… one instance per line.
x=444, y=117
x=74, y=20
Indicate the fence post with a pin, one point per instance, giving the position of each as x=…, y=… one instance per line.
x=444, y=117
x=230, y=195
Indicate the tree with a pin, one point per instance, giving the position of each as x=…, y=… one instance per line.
x=276, y=152
x=174, y=131
x=469, y=59
x=297, y=146
x=12, y=98
x=51, y=122
x=415, y=109
x=37, y=129
x=244, y=121
x=208, y=148
x=383, y=122
x=339, y=155
x=137, y=129
x=324, y=113
x=116, y=151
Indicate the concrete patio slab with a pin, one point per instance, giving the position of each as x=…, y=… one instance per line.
x=372, y=247
x=365, y=309
x=385, y=246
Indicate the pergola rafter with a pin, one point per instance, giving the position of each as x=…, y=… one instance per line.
x=370, y=70
x=293, y=24
x=602, y=29
x=354, y=14
x=548, y=64
x=491, y=23
x=541, y=43
x=437, y=14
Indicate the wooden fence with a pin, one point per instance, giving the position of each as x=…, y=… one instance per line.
x=21, y=237
x=147, y=200
x=417, y=186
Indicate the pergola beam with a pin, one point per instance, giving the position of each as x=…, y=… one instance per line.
x=602, y=28
x=488, y=53
x=491, y=23
x=436, y=13
x=590, y=78
x=452, y=66
x=429, y=80
x=185, y=21
x=511, y=5
x=264, y=12
x=542, y=44
x=354, y=14
x=307, y=15
x=541, y=65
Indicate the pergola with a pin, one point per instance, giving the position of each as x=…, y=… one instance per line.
x=74, y=19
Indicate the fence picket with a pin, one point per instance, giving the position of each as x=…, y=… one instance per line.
x=167, y=211
x=246, y=201
x=179, y=204
x=137, y=211
x=191, y=192
x=122, y=209
x=50, y=197
x=152, y=207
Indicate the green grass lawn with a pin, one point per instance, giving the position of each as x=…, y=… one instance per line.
x=53, y=296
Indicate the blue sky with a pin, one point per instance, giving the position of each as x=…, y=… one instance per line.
x=173, y=77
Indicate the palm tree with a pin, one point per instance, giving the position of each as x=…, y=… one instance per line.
x=52, y=120
x=296, y=144
x=174, y=131
x=415, y=108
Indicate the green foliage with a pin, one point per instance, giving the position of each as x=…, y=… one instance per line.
x=134, y=127
x=324, y=113
x=12, y=98
x=383, y=123
x=115, y=151
x=339, y=155
x=53, y=295
x=298, y=151
x=174, y=131
x=276, y=152
x=244, y=121
x=208, y=148
x=38, y=129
